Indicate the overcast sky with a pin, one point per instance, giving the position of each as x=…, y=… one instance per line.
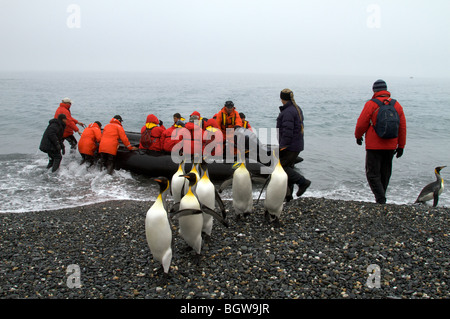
x=359, y=37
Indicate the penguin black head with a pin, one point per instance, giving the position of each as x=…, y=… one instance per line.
x=192, y=177
x=438, y=169
x=163, y=183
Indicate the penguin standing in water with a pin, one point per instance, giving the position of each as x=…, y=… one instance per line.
x=157, y=228
x=275, y=195
x=242, y=191
x=432, y=190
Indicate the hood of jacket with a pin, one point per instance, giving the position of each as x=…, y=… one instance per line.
x=66, y=106
x=152, y=119
x=381, y=94
x=93, y=125
x=115, y=121
x=57, y=121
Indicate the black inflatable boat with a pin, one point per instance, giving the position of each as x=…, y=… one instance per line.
x=153, y=164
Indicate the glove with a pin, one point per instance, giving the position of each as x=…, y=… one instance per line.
x=160, y=123
x=359, y=141
x=399, y=152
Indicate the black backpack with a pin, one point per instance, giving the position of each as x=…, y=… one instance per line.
x=388, y=120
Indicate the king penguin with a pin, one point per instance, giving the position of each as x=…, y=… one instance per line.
x=190, y=217
x=179, y=186
x=157, y=228
x=242, y=191
x=275, y=194
x=208, y=196
x=432, y=190
x=191, y=225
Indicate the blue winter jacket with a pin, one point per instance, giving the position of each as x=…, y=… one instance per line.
x=290, y=128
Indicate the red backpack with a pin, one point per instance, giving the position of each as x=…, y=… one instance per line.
x=146, y=138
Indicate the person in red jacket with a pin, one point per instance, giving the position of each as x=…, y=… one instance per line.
x=151, y=134
x=71, y=127
x=212, y=139
x=110, y=142
x=228, y=118
x=195, y=127
x=245, y=123
x=379, y=151
x=173, y=135
x=88, y=143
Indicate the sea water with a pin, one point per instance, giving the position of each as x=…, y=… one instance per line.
x=331, y=105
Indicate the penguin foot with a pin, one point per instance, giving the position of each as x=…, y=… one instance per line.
x=273, y=220
x=196, y=259
x=206, y=238
x=164, y=279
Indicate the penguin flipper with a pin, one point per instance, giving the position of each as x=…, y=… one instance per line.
x=225, y=184
x=435, y=198
x=175, y=208
x=214, y=214
x=220, y=202
x=264, y=186
x=186, y=212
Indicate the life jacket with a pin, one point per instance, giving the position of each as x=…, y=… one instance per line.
x=246, y=125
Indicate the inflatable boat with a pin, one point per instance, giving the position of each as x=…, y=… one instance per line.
x=154, y=164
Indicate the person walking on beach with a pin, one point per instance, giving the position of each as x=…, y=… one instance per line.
x=52, y=141
x=110, y=142
x=380, y=151
x=71, y=126
x=291, y=142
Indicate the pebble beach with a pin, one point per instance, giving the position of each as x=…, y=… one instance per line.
x=325, y=249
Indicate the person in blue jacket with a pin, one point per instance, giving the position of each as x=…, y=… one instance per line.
x=291, y=142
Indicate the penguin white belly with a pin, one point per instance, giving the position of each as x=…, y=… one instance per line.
x=191, y=225
x=159, y=235
x=206, y=196
x=276, y=191
x=275, y=194
x=177, y=186
x=242, y=192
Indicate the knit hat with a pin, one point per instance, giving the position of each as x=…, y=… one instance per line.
x=229, y=104
x=379, y=85
x=67, y=100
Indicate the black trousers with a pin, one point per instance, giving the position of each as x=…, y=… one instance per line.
x=54, y=160
x=72, y=141
x=108, y=162
x=378, y=172
x=287, y=161
x=89, y=159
